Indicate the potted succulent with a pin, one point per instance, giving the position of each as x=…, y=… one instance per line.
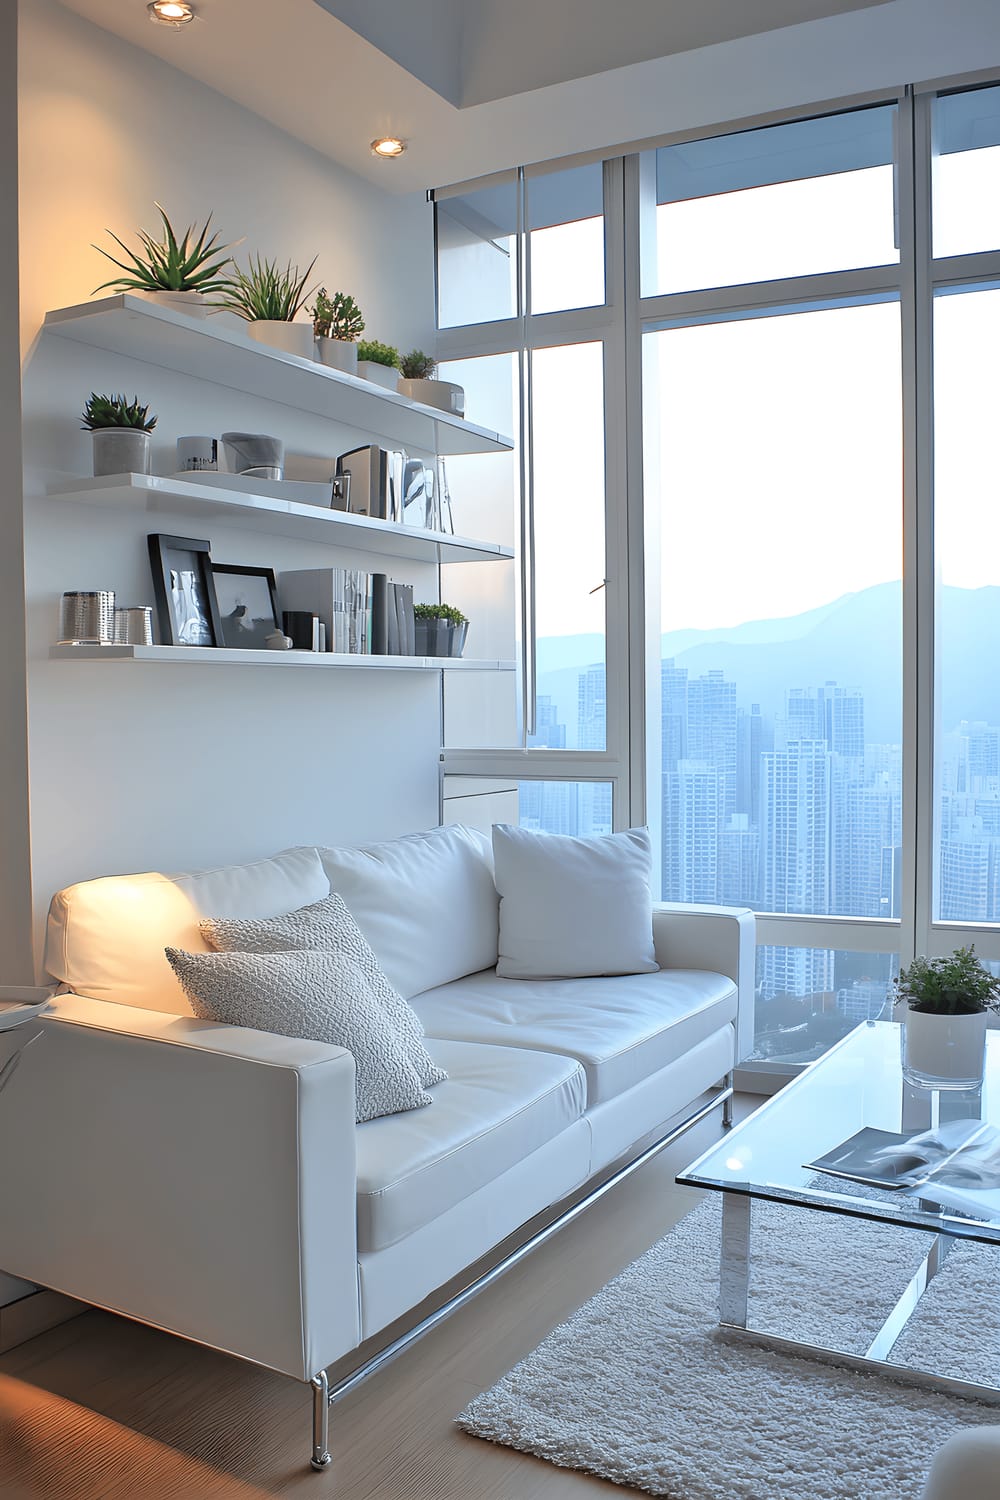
x=419, y=383
x=121, y=431
x=439, y=630
x=944, y=1029
x=337, y=324
x=179, y=273
x=379, y=363
x=270, y=297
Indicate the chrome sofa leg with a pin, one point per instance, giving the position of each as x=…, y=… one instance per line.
x=321, y=1456
x=727, y=1106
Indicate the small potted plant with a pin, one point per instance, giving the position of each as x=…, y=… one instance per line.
x=270, y=297
x=121, y=431
x=337, y=324
x=419, y=383
x=944, y=1029
x=180, y=273
x=379, y=363
x=439, y=630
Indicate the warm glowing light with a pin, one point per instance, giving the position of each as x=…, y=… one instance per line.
x=170, y=12
x=388, y=145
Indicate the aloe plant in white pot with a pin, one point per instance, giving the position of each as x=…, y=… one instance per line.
x=182, y=273
x=418, y=381
x=121, y=431
x=270, y=298
x=949, y=1000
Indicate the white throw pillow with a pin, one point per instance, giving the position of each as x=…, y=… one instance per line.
x=426, y=903
x=572, y=907
x=327, y=925
x=315, y=995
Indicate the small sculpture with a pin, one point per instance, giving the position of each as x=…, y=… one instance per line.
x=278, y=641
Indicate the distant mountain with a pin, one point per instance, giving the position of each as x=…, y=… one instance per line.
x=855, y=641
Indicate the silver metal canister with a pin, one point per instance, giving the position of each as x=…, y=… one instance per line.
x=87, y=618
x=133, y=625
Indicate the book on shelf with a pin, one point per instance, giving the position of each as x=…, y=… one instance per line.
x=357, y=613
x=955, y=1164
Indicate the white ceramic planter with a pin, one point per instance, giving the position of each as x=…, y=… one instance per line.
x=120, y=450
x=440, y=393
x=383, y=375
x=193, y=304
x=290, y=338
x=944, y=1052
x=338, y=354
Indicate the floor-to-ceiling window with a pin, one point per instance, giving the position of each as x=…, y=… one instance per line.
x=757, y=505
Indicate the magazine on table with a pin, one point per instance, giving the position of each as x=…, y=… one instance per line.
x=956, y=1164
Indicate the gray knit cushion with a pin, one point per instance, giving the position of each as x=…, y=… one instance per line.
x=329, y=926
x=318, y=995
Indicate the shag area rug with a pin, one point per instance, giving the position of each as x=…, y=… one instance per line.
x=640, y=1388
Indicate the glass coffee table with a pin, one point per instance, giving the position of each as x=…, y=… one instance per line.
x=858, y=1084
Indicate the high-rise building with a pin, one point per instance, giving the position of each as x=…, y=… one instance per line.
x=711, y=731
x=673, y=709
x=738, y=862
x=691, y=832
x=592, y=708
x=795, y=828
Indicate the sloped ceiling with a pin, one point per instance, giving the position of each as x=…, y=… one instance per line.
x=473, y=53
x=309, y=73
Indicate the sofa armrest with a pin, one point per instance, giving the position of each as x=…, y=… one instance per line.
x=719, y=938
x=195, y=1176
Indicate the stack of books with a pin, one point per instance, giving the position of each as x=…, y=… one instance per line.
x=363, y=613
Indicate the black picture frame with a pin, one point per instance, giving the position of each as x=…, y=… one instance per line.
x=247, y=600
x=184, y=590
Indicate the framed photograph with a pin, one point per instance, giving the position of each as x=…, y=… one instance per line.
x=248, y=605
x=184, y=592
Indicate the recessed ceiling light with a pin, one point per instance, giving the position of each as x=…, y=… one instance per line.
x=388, y=145
x=170, y=12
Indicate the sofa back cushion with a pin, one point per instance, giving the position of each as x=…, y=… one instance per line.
x=426, y=903
x=106, y=937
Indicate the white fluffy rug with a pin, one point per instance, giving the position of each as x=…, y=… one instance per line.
x=639, y=1387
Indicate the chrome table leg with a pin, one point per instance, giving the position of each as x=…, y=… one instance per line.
x=734, y=1273
x=321, y=1456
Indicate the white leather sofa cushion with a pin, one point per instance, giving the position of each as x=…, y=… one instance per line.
x=426, y=903
x=621, y=1029
x=571, y=907
x=499, y=1105
x=106, y=937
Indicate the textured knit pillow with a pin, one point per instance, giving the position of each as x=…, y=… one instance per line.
x=329, y=926
x=315, y=995
x=571, y=907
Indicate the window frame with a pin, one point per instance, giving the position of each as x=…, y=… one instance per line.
x=631, y=760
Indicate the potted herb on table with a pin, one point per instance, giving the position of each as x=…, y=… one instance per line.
x=439, y=630
x=270, y=297
x=179, y=273
x=944, y=1029
x=121, y=431
x=379, y=363
x=419, y=383
x=337, y=324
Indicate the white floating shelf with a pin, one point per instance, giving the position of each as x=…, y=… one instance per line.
x=206, y=350
x=221, y=656
x=334, y=528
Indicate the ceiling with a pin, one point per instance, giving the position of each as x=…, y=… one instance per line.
x=494, y=49
x=477, y=85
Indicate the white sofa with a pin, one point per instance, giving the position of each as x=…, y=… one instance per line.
x=211, y=1180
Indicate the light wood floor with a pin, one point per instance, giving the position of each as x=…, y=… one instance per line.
x=101, y=1407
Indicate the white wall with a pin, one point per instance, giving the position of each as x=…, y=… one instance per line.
x=173, y=766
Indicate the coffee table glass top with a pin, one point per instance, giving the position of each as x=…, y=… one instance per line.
x=857, y=1084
